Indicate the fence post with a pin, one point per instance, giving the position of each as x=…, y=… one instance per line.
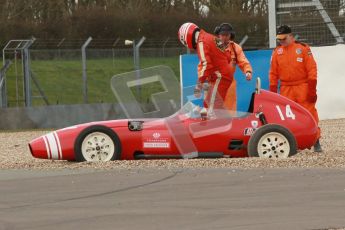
x=3, y=99
x=27, y=73
x=272, y=23
x=3, y=93
x=113, y=50
x=83, y=59
x=59, y=45
x=164, y=44
x=137, y=62
x=134, y=55
x=244, y=39
x=137, y=53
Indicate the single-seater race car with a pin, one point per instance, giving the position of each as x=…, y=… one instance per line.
x=273, y=127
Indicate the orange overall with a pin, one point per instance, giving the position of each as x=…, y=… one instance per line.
x=214, y=67
x=217, y=66
x=237, y=58
x=296, y=69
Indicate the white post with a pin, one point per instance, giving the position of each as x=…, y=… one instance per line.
x=272, y=23
x=137, y=62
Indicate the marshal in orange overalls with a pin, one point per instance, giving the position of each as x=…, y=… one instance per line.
x=237, y=58
x=294, y=66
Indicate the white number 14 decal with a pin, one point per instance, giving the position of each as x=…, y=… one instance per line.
x=288, y=113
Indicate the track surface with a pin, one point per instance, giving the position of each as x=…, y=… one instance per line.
x=173, y=199
x=306, y=191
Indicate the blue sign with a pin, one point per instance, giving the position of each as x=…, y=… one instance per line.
x=260, y=61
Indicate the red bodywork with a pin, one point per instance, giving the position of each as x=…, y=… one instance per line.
x=179, y=134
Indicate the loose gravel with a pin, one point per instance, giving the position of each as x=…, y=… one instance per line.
x=14, y=154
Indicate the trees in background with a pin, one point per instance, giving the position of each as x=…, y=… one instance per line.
x=157, y=19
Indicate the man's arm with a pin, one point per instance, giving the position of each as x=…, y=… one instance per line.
x=204, y=67
x=274, y=77
x=312, y=74
x=205, y=64
x=242, y=61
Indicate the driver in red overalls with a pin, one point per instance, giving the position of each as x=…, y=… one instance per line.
x=215, y=65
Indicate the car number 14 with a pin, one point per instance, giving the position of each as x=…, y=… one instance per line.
x=288, y=113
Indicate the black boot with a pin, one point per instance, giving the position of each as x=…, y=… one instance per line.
x=317, y=147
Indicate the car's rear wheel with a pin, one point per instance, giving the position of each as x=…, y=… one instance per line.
x=97, y=144
x=272, y=141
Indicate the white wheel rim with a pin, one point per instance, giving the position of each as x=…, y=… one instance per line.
x=273, y=145
x=97, y=146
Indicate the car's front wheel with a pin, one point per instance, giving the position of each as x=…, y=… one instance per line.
x=97, y=144
x=272, y=141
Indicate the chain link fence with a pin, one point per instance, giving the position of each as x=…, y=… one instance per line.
x=316, y=22
x=59, y=71
x=56, y=64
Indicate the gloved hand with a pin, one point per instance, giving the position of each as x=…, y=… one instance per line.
x=248, y=76
x=197, y=90
x=274, y=88
x=203, y=114
x=205, y=86
x=312, y=96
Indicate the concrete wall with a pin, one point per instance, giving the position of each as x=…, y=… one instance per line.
x=331, y=81
x=57, y=116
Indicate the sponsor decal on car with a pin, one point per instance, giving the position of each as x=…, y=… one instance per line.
x=156, y=135
x=156, y=145
x=255, y=124
x=249, y=131
x=156, y=140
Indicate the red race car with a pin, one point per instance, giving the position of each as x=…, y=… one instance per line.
x=273, y=127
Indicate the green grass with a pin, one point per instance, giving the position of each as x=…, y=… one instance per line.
x=61, y=80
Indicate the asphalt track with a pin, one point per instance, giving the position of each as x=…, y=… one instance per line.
x=173, y=199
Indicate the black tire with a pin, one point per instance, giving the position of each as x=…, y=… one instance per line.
x=97, y=128
x=254, y=140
